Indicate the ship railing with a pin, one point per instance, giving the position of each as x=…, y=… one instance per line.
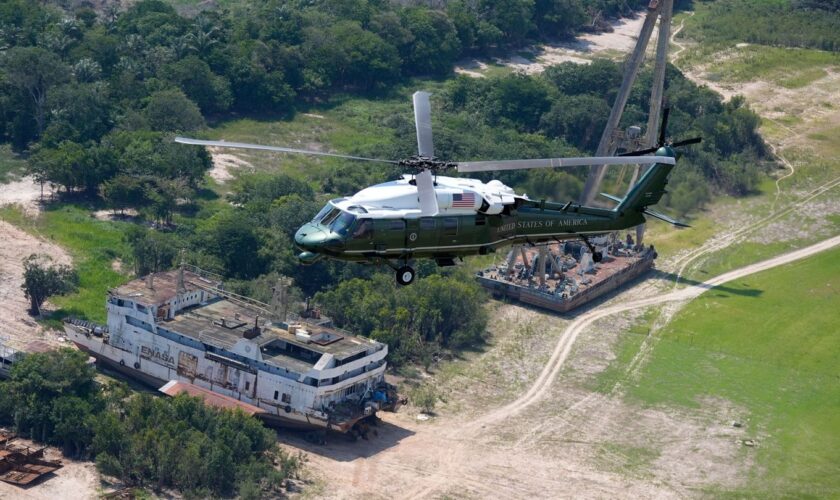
x=88, y=325
x=260, y=307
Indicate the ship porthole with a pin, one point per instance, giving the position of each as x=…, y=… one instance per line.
x=288, y=409
x=137, y=365
x=122, y=362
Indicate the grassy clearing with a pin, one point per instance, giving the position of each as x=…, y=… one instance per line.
x=12, y=167
x=669, y=240
x=790, y=68
x=347, y=125
x=93, y=244
x=626, y=349
x=768, y=344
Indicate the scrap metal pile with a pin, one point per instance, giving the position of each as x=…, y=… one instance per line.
x=20, y=464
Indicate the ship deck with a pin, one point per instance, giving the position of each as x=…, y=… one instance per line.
x=222, y=323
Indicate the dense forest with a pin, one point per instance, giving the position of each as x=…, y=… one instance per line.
x=93, y=98
x=139, y=439
x=787, y=23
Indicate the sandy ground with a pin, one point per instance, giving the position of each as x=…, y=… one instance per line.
x=24, y=192
x=536, y=58
x=224, y=164
x=17, y=325
x=75, y=481
x=556, y=439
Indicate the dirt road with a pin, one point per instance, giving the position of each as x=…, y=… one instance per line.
x=456, y=456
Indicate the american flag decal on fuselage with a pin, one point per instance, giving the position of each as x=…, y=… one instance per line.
x=463, y=200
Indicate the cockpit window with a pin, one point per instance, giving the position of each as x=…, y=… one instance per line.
x=342, y=223
x=331, y=216
x=324, y=211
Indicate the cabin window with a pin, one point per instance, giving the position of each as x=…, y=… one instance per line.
x=287, y=398
x=450, y=226
x=276, y=394
x=247, y=385
x=427, y=224
x=364, y=230
x=396, y=225
x=342, y=223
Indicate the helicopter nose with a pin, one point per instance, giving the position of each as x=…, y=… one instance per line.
x=310, y=237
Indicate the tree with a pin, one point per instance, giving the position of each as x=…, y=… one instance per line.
x=210, y=91
x=34, y=71
x=80, y=112
x=42, y=281
x=52, y=389
x=347, y=54
x=70, y=164
x=123, y=191
x=577, y=119
x=231, y=237
x=434, y=43
x=152, y=250
x=171, y=111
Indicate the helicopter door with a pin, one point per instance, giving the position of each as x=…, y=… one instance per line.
x=421, y=234
x=449, y=232
x=388, y=234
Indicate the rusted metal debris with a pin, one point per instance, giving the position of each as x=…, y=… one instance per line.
x=21, y=465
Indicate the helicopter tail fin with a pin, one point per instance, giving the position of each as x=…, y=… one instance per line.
x=648, y=191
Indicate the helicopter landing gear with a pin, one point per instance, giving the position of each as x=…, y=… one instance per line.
x=596, y=256
x=405, y=275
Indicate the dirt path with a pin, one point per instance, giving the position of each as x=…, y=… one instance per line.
x=464, y=458
x=17, y=326
x=680, y=46
x=561, y=351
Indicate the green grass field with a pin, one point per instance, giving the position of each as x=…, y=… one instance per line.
x=93, y=244
x=768, y=346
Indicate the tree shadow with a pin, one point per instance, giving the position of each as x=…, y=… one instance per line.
x=673, y=278
x=343, y=448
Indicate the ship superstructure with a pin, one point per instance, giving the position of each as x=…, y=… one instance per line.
x=182, y=326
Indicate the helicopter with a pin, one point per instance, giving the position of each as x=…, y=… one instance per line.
x=428, y=215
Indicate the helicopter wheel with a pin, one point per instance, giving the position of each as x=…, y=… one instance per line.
x=597, y=257
x=405, y=275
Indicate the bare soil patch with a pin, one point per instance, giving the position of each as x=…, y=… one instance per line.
x=17, y=325
x=224, y=164
x=24, y=192
x=76, y=480
x=536, y=58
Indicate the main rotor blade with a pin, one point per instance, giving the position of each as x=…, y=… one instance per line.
x=640, y=152
x=243, y=145
x=423, y=124
x=426, y=193
x=693, y=140
x=484, y=166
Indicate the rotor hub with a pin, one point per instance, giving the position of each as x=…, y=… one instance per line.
x=417, y=164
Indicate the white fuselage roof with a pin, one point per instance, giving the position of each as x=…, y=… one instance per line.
x=399, y=198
